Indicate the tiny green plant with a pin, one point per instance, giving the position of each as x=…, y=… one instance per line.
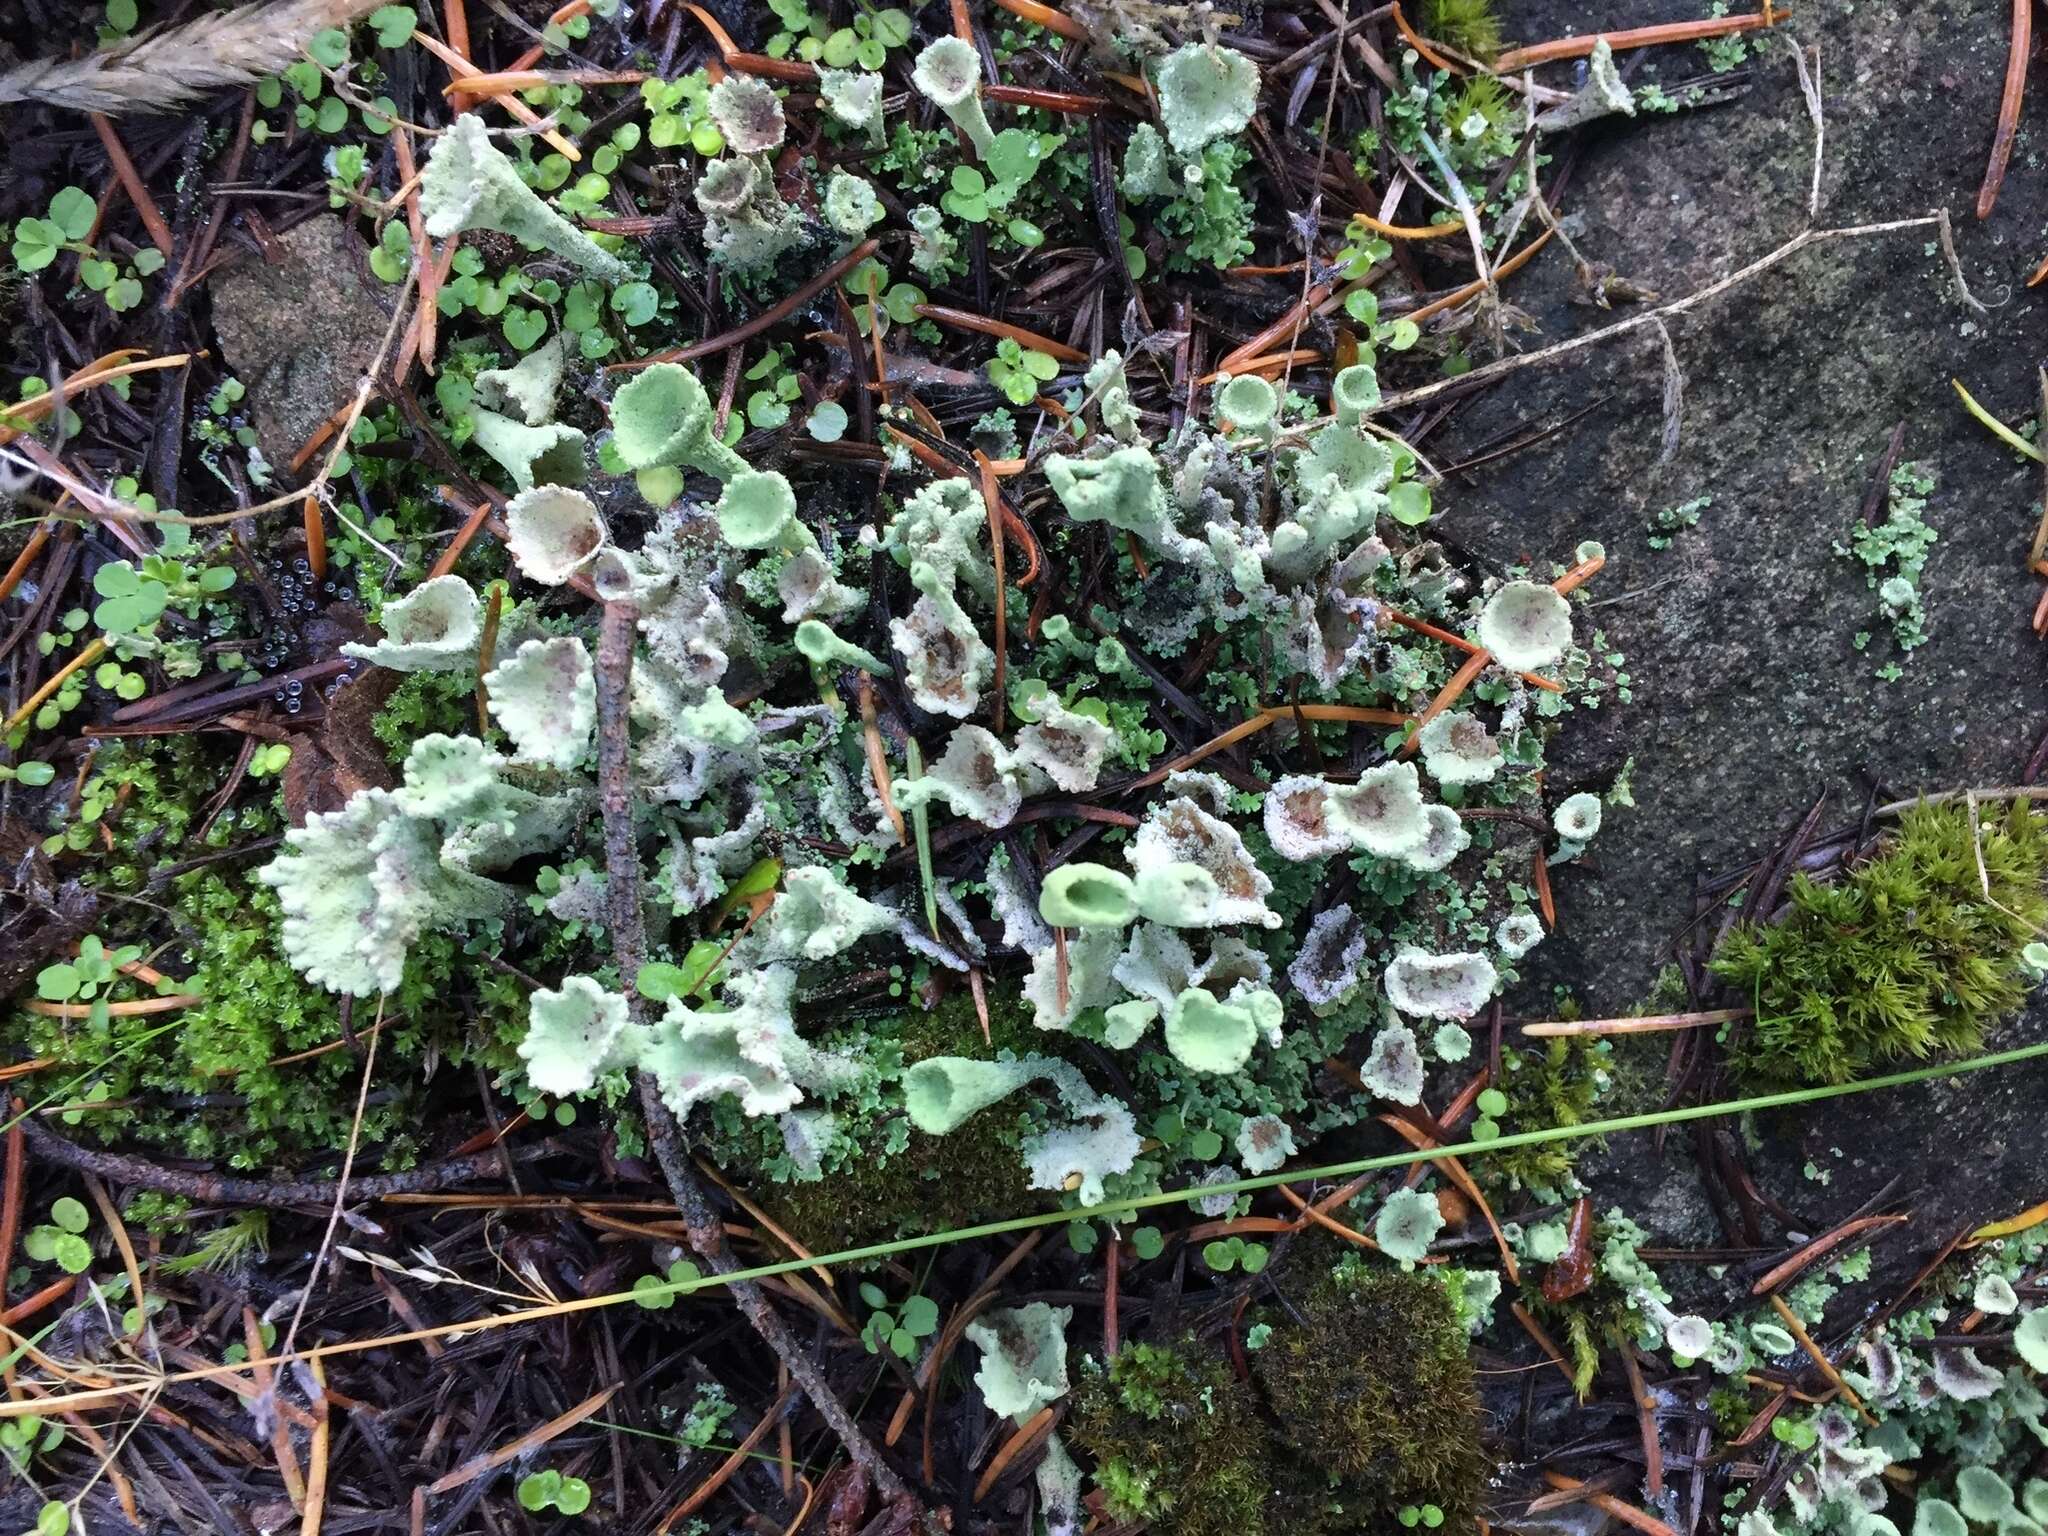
x=61, y=1240
x=1228, y=1253
x=549, y=1489
x=1019, y=371
x=87, y=977
x=66, y=223
x=27, y=1437
x=658, y=1293
x=901, y=1328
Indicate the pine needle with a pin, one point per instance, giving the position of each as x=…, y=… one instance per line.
x=162, y=70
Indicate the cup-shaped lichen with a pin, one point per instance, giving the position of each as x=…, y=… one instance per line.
x=1526, y=625
x=470, y=183
x=1248, y=403
x=1355, y=393
x=1087, y=896
x=855, y=98
x=748, y=112
x=433, y=628
x=1439, y=986
x=544, y=455
x=1458, y=749
x=1206, y=92
x=553, y=532
x=949, y=73
x=663, y=416
x=1383, y=812
x=757, y=510
x=726, y=187
x=1577, y=818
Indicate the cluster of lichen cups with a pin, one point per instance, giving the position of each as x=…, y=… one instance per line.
x=1192, y=944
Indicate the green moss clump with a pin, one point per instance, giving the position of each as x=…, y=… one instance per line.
x=1178, y=1442
x=892, y=1178
x=1375, y=1387
x=1906, y=957
x=1553, y=1086
x=1470, y=26
x=424, y=704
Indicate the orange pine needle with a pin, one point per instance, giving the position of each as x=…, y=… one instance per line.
x=1635, y=37
x=1068, y=103
x=1046, y=17
x=1545, y=903
x=460, y=67
x=1626, y=1513
x=1424, y=627
x=1420, y=44
x=1458, y=296
x=967, y=320
x=992, y=500
x=316, y=538
x=1578, y=575
x=1408, y=231
x=1451, y=692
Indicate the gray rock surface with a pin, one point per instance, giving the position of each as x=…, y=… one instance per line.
x=1750, y=698
x=300, y=334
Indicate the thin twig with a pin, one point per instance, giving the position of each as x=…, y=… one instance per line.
x=701, y=1226
x=1692, y=301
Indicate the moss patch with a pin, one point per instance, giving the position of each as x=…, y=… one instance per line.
x=1907, y=957
x=1376, y=1388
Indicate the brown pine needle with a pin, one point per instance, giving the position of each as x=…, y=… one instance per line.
x=472, y=523
x=1625, y=1512
x=460, y=67
x=1541, y=1335
x=2008, y=106
x=967, y=320
x=1649, y=1024
x=133, y=184
x=533, y=1439
x=1423, y=627
x=1451, y=692
x=487, y=644
x=878, y=764
x=1821, y=1362
x=992, y=501
x=1025, y=1439
x=1546, y=904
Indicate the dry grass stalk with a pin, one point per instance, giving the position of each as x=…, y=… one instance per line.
x=159, y=71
